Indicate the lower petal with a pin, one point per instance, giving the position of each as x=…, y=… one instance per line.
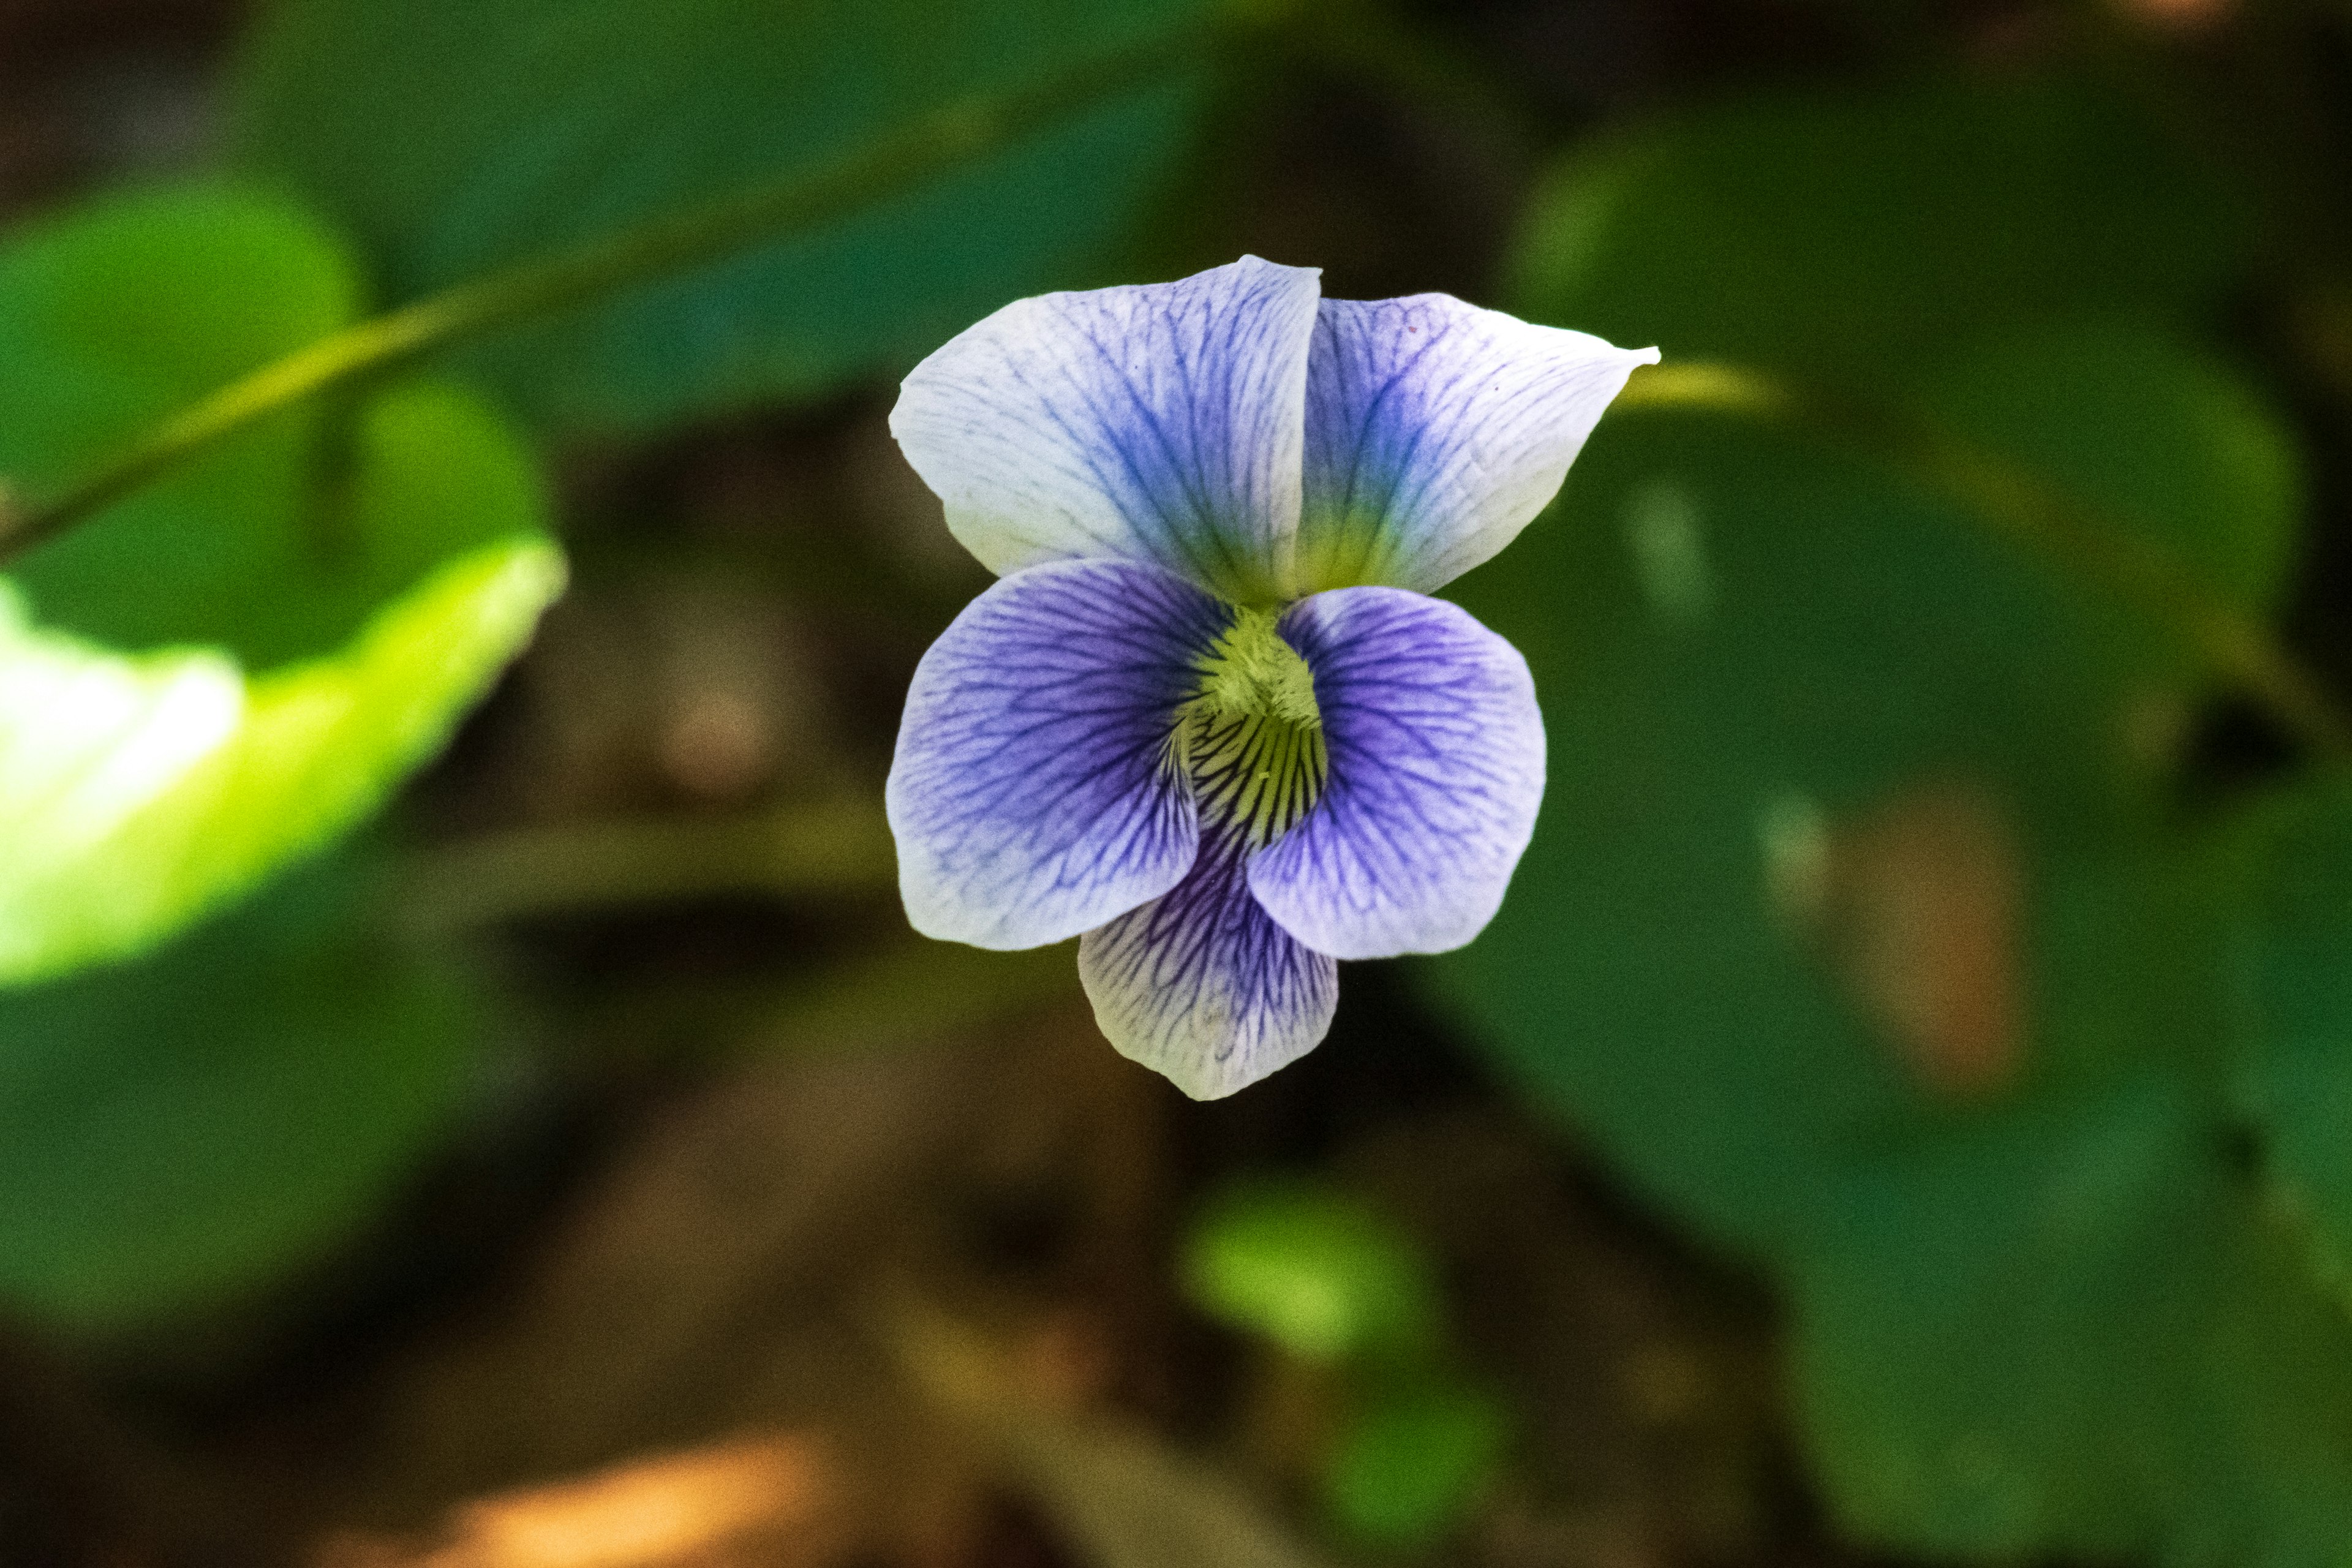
x=1201, y=988
x=1033, y=795
x=1436, y=759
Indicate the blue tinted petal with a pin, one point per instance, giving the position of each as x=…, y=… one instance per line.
x=1031, y=796
x=1436, y=769
x=1158, y=423
x=1436, y=431
x=1201, y=988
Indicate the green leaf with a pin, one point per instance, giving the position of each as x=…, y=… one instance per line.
x=1854, y=928
x=1412, y=1463
x=1816, y=737
x=2164, y=439
x=116, y=315
x=184, y=1128
x=453, y=139
x=2075, y=1332
x=2296, y=1075
x=138, y=792
x=1845, y=237
x=227, y=671
x=1321, y=1274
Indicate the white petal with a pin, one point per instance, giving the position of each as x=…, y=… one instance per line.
x=1436, y=431
x=1436, y=769
x=1031, y=797
x=1201, y=988
x=1158, y=423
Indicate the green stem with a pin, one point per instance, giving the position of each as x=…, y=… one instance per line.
x=664, y=246
x=837, y=846
x=2082, y=540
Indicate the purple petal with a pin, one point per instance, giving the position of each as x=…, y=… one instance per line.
x=1436, y=431
x=1158, y=422
x=1201, y=988
x=1031, y=796
x=1436, y=769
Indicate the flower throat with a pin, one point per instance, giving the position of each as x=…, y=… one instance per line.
x=1251, y=735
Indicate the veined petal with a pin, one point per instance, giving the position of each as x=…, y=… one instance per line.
x=1436, y=431
x=1033, y=795
x=1201, y=988
x=1160, y=422
x=1436, y=755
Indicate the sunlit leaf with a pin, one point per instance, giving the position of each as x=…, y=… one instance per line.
x=226, y=670
x=137, y=791
x=455, y=138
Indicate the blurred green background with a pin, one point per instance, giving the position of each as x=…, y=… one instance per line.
x=469, y=1097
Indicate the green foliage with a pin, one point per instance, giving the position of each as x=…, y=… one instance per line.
x=2078, y=1330
x=455, y=138
x=179, y=1129
x=1858, y=927
x=1862, y=927
x=1751, y=649
x=1849, y=933
x=112, y=317
x=1331, y=1280
x=1315, y=1271
x=1844, y=237
x=1411, y=1461
x=2169, y=443
x=2295, y=1080
x=238, y=664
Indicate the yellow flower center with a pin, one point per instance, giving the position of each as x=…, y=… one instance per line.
x=1251, y=736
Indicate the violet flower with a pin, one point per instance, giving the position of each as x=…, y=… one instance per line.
x=1209, y=721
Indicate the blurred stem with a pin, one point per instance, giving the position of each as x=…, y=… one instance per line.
x=2082, y=540
x=666, y=246
x=839, y=844
x=906, y=989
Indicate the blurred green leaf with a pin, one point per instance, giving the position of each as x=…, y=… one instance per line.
x=2296, y=1077
x=1854, y=928
x=1845, y=237
x=114, y=316
x=1412, y=1463
x=140, y=792
x=233, y=667
x=1323, y=1275
x=182, y=1128
x=2074, y=1332
x=1814, y=734
x=455, y=138
x=2160, y=436
x=1987, y=1355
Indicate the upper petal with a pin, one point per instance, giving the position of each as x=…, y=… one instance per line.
x=1159, y=422
x=1031, y=796
x=1201, y=988
x=1436, y=769
x=1436, y=431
